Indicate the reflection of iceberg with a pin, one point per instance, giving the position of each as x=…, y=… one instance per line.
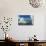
x=22, y=20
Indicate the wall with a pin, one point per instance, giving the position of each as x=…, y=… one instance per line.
x=13, y=8
x=45, y=29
